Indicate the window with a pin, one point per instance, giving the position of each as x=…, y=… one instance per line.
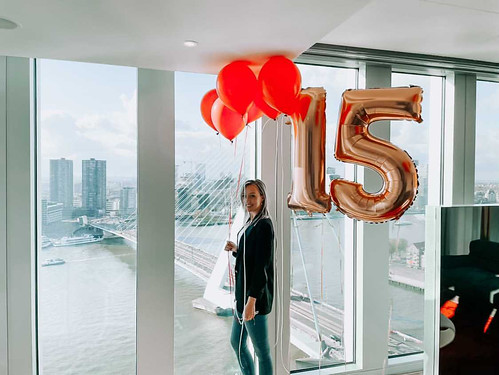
x=407, y=235
x=321, y=283
x=487, y=150
x=87, y=208
x=208, y=170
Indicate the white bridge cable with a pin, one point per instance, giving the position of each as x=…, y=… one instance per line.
x=220, y=195
x=221, y=165
x=208, y=186
x=316, y=322
x=186, y=201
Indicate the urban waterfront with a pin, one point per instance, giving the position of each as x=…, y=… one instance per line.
x=87, y=305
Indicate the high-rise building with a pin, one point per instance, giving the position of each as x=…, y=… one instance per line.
x=93, y=198
x=128, y=200
x=61, y=183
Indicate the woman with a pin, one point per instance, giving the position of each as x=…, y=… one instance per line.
x=254, y=280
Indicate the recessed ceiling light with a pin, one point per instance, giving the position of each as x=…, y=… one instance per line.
x=190, y=43
x=7, y=24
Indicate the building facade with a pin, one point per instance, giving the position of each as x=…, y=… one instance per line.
x=128, y=200
x=61, y=183
x=93, y=186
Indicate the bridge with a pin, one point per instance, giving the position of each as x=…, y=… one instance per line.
x=316, y=328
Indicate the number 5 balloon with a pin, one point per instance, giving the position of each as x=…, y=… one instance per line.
x=354, y=144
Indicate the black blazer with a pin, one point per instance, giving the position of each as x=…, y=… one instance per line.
x=256, y=251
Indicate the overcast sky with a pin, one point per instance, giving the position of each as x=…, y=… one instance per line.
x=89, y=110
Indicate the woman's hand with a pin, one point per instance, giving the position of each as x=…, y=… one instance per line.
x=230, y=246
x=249, y=310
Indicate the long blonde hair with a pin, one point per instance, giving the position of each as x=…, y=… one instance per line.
x=264, y=213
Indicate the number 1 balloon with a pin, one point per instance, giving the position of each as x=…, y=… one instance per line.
x=309, y=133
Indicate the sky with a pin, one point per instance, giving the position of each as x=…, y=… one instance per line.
x=90, y=110
x=487, y=132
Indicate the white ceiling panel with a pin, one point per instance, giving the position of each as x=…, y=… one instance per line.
x=455, y=28
x=150, y=33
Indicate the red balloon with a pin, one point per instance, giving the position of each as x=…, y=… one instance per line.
x=236, y=86
x=280, y=82
x=268, y=110
x=254, y=113
x=227, y=122
x=301, y=105
x=206, y=104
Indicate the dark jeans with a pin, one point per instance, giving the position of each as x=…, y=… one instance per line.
x=258, y=332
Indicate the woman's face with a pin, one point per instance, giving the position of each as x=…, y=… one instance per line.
x=253, y=199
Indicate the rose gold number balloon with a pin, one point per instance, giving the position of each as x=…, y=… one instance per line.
x=354, y=144
x=309, y=124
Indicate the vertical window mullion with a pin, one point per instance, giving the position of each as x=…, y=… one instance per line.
x=3, y=216
x=156, y=222
x=20, y=217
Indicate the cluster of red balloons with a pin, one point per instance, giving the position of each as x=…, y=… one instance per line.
x=241, y=97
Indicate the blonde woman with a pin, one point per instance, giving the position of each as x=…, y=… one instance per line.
x=254, y=273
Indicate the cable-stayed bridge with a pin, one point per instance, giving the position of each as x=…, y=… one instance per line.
x=317, y=333
x=203, y=206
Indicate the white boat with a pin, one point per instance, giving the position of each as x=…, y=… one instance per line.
x=46, y=242
x=80, y=240
x=53, y=262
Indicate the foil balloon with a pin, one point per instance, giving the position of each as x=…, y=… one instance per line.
x=308, y=176
x=354, y=144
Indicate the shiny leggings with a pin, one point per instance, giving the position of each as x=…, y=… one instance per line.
x=258, y=332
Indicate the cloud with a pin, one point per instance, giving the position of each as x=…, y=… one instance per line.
x=110, y=136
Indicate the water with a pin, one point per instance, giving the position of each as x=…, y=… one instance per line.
x=87, y=310
x=87, y=306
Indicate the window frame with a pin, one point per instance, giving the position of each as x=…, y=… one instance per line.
x=17, y=271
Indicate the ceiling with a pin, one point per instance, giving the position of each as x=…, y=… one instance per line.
x=150, y=33
x=466, y=29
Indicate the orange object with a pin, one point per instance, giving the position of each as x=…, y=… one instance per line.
x=491, y=317
x=354, y=144
x=449, y=308
x=308, y=192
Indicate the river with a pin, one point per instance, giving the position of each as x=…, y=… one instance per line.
x=86, y=316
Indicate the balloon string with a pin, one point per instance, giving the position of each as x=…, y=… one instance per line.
x=229, y=266
x=322, y=261
x=385, y=361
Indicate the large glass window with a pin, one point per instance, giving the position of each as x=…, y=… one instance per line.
x=208, y=170
x=486, y=141
x=87, y=179
x=407, y=235
x=321, y=313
